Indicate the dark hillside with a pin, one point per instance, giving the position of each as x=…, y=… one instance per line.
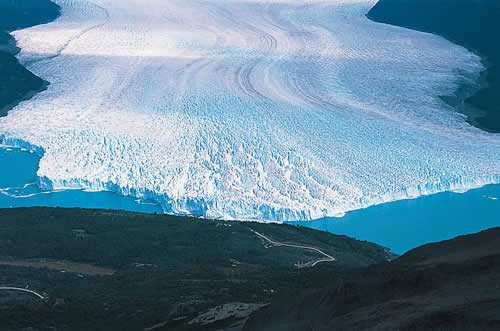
x=451, y=285
x=473, y=24
x=17, y=83
x=127, y=271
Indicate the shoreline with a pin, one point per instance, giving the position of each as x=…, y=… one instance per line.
x=168, y=205
x=446, y=213
x=404, y=224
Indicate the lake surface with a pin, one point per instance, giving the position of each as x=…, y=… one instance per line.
x=400, y=225
x=403, y=225
x=19, y=188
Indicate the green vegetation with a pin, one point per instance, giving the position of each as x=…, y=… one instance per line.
x=167, y=267
x=18, y=83
x=473, y=24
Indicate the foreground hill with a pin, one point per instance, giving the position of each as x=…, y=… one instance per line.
x=114, y=270
x=451, y=285
x=104, y=270
x=470, y=23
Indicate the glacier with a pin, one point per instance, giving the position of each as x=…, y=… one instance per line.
x=268, y=110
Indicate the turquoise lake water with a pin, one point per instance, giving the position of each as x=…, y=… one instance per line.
x=18, y=188
x=403, y=225
x=400, y=225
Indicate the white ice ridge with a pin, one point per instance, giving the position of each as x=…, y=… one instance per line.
x=248, y=109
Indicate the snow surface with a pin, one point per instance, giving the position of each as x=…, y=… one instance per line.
x=247, y=109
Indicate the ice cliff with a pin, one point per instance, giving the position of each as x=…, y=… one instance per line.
x=265, y=109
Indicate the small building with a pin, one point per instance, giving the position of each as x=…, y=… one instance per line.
x=80, y=234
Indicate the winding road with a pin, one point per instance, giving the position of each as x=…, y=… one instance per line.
x=328, y=257
x=25, y=290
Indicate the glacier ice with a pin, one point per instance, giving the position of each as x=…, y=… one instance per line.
x=247, y=109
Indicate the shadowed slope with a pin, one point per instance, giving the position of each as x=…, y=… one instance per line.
x=477, y=30
x=17, y=83
x=451, y=285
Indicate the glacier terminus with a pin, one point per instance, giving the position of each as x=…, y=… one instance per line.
x=269, y=110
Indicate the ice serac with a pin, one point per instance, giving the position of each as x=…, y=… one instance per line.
x=248, y=109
